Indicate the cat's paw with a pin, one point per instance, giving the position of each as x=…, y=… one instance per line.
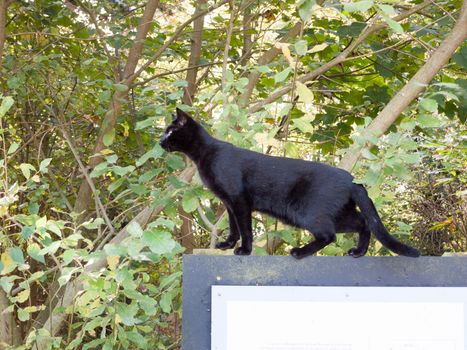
x=355, y=252
x=242, y=251
x=298, y=253
x=225, y=245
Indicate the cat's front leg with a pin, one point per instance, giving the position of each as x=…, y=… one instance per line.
x=234, y=234
x=242, y=215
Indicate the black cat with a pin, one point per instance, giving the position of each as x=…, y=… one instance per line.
x=309, y=195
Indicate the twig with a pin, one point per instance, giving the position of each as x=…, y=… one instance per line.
x=174, y=37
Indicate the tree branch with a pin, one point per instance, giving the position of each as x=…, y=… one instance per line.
x=266, y=58
x=337, y=60
x=413, y=88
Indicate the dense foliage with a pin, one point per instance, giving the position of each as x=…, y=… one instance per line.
x=94, y=215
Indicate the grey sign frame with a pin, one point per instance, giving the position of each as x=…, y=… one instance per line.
x=202, y=272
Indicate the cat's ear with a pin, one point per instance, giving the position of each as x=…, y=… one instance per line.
x=181, y=118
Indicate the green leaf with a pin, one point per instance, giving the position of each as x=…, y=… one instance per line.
x=305, y=9
x=122, y=171
x=145, y=123
x=410, y=158
x=175, y=162
x=189, y=202
x=166, y=302
x=134, y=229
x=116, y=184
x=26, y=170
x=7, y=102
x=303, y=124
x=67, y=273
x=7, y=282
x=51, y=248
x=460, y=57
x=159, y=242
x=428, y=120
x=301, y=47
x=23, y=315
x=148, y=175
x=112, y=159
x=44, y=165
x=16, y=255
x=120, y=87
x=332, y=250
x=34, y=252
x=109, y=137
x=368, y=155
x=13, y=147
x=394, y=25
x=138, y=339
x=387, y=9
x=262, y=69
x=429, y=104
x=94, y=224
x=358, y=6
x=155, y=153
x=163, y=222
x=127, y=313
x=99, y=170
x=281, y=76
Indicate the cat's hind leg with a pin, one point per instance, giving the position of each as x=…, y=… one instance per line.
x=324, y=233
x=353, y=221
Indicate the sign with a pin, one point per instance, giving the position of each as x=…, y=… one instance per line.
x=324, y=303
x=338, y=318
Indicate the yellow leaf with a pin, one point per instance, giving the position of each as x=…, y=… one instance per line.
x=3, y=210
x=126, y=129
x=318, y=48
x=113, y=261
x=106, y=151
x=118, y=319
x=23, y=296
x=305, y=95
x=286, y=52
x=8, y=264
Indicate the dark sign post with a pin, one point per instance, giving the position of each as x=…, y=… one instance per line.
x=203, y=272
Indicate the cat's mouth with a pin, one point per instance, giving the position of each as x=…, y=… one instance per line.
x=165, y=146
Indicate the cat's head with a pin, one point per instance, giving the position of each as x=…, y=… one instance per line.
x=178, y=135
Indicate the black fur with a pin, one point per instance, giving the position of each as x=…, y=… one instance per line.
x=309, y=195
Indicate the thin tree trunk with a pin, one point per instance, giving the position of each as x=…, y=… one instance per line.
x=247, y=35
x=9, y=332
x=3, y=17
x=195, y=54
x=187, y=240
x=413, y=88
x=84, y=196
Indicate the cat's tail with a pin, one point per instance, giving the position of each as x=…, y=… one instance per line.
x=368, y=210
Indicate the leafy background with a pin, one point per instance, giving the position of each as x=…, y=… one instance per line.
x=95, y=216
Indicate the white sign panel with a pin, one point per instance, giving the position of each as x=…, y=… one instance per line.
x=338, y=318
